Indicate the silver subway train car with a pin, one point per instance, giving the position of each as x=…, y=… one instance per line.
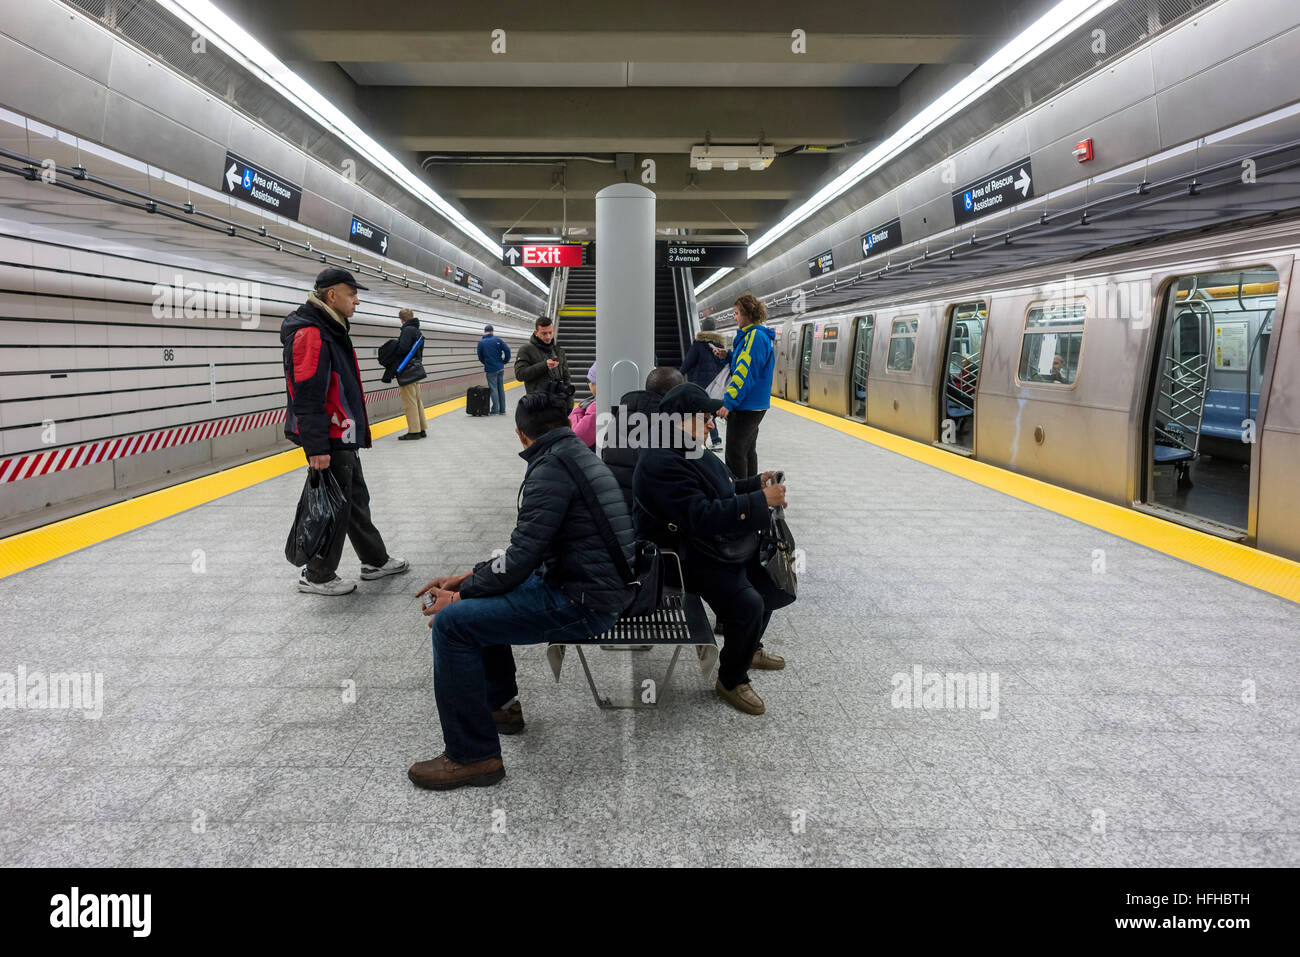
x=1166, y=378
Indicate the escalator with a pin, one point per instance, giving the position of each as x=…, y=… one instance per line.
x=577, y=325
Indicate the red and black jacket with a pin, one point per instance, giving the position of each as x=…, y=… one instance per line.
x=326, y=402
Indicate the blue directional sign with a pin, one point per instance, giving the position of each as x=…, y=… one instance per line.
x=259, y=186
x=1008, y=187
x=882, y=238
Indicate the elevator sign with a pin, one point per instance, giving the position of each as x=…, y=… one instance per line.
x=882, y=238
x=261, y=187
x=1008, y=187
x=369, y=236
x=528, y=254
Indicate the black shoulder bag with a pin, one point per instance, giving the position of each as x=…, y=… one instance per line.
x=646, y=580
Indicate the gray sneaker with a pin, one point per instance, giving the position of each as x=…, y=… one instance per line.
x=335, y=586
x=394, y=566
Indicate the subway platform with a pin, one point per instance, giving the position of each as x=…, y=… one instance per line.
x=1138, y=710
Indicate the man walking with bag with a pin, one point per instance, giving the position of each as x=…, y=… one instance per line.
x=410, y=370
x=326, y=415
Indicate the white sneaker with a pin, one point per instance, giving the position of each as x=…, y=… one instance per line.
x=335, y=586
x=394, y=566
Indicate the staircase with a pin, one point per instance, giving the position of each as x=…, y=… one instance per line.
x=577, y=325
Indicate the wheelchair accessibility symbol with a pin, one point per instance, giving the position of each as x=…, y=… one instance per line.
x=248, y=179
x=967, y=199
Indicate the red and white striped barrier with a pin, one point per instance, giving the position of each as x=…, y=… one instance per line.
x=33, y=464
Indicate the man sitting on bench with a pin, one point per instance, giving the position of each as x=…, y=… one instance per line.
x=556, y=582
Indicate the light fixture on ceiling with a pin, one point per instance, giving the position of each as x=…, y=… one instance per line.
x=730, y=157
x=212, y=24
x=1039, y=37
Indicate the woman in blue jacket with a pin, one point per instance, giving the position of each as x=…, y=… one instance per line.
x=749, y=390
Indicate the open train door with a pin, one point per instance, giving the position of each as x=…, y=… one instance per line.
x=960, y=376
x=1211, y=348
x=805, y=362
x=864, y=331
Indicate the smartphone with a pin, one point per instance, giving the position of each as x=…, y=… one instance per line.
x=778, y=478
x=428, y=600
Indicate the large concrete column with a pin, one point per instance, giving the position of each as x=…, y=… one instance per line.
x=625, y=290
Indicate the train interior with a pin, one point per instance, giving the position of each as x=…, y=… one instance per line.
x=864, y=330
x=962, y=375
x=1215, y=334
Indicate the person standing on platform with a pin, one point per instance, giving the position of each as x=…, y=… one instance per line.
x=704, y=360
x=494, y=354
x=410, y=370
x=749, y=390
x=541, y=360
x=326, y=415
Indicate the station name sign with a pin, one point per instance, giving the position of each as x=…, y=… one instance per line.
x=259, y=186
x=1008, y=187
x=369, y=236
x=821, y=264
x=704, y=255
x=882, y=238
x=542, y=254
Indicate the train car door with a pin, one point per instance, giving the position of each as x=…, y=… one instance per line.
x=864, y=330
x=805, y=362
x=1203, y=395
x=960, y=375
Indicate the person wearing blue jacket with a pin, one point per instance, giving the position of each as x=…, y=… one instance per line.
x=494, y=354
x=749, y=390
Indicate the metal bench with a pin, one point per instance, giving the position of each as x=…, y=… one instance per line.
x=680, y=621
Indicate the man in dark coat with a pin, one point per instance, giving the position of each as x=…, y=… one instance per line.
x=557, y=581
x=326, y=415
x=541, y=360
x=704, y=360
x=620, y=451
x=410, y=352
x=691, y=502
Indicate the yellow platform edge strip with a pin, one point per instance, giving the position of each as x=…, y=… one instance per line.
x=1250, y=566
x=39, y=545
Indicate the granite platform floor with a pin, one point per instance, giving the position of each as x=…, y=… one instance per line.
x=1146, y=710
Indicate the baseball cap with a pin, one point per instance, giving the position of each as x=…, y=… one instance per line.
x=488, y=327
x=689, y=399
x=334, y=275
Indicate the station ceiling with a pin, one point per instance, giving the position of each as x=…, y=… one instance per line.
x=520, y=112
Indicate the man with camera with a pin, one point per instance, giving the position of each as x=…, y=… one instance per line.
x=557, y=581
x=541, y=361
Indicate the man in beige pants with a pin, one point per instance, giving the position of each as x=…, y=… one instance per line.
x=410, y=352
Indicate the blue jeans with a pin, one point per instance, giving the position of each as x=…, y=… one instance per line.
x=473, y=667
x=496, y=384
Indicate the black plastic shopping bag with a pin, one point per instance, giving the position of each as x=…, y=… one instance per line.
x=320, y=509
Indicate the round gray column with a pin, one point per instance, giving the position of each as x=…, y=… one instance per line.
x=625, y=290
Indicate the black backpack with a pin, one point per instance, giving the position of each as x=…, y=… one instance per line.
x=388, y=356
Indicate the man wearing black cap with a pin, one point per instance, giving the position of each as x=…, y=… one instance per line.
x=326, y=415
x=692, y=503
x=494, y=354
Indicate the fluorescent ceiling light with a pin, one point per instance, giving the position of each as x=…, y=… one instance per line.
x=242, y=47
x=1044, y=33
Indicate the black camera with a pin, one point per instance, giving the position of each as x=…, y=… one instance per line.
x=561, y=389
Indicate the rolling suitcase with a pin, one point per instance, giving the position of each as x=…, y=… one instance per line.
x=478, y=400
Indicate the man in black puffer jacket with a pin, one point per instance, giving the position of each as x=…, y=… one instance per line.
x=410, y=356
x=621, y=449
x=557, y=581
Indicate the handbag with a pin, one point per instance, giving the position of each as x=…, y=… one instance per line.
x=776, y=553
x=645, y=576
x=718, y=387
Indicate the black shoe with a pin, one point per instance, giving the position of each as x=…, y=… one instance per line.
x=424, y=435
x=410, y=436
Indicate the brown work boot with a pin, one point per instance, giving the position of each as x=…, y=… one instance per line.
x=741, y=697
x=443, y=774
x=764, y=660
x=509, y=720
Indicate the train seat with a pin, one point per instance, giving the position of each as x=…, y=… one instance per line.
x=1224, y=411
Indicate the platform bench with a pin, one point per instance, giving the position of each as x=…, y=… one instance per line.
x=679, y=621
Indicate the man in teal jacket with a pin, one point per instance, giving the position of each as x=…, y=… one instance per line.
x=749, y=390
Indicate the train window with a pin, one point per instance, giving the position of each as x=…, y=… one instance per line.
x=1053, y=339
x=902, y=345
x=830, y=339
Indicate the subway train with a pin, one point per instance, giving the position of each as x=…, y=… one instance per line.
x=1162, y=378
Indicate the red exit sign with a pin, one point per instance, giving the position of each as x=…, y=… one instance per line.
x=562, y=254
